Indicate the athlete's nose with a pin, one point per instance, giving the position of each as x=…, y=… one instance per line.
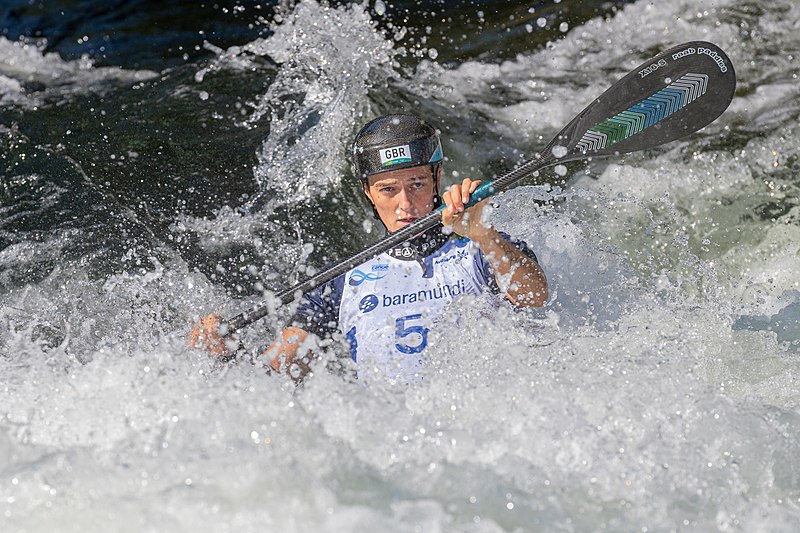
x=403, y=201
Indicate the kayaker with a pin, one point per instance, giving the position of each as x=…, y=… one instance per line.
x=385, y=308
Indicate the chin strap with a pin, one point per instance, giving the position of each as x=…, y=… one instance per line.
x=436, y=169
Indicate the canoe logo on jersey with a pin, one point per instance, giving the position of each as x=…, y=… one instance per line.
x=395, y=155
x=358, y=277
x=368, y=303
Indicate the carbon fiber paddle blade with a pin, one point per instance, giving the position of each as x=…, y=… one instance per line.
x=672, y=95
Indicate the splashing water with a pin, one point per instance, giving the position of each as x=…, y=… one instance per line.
x=317, y=97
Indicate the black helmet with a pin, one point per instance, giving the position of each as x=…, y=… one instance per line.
x=392, y=142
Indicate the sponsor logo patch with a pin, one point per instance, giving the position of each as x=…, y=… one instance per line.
x=368, y=303
x=442, y=291
x=455, y=258
x=358, y=277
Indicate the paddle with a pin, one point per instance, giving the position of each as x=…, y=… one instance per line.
x=672, y=95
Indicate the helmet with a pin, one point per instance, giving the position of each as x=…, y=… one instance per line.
x=392, y=142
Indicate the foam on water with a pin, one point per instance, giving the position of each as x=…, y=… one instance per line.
x=29, y=77
x=657, y=391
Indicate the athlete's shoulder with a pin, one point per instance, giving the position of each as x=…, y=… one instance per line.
x=520, y=245
x=317, y=311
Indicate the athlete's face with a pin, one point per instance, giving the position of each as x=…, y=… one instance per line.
x=402, y=196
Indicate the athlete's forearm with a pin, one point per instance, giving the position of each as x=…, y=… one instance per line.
x=525, y=281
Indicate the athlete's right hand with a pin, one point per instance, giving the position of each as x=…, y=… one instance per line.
x=206, y=335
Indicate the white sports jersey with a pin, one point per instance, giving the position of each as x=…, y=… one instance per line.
x=387, y=306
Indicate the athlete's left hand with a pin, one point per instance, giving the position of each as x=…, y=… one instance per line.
x=465, y=222
x=206, y=335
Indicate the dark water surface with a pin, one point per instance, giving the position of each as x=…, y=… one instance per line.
x=155, y=35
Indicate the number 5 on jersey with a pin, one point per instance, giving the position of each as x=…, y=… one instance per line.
x=410, y=337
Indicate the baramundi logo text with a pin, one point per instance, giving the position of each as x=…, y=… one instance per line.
x=371, y=301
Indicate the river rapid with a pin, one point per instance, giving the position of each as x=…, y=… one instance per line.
x=151, y=176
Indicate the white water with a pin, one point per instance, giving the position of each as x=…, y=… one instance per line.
x=23, y=62
x=645, y=397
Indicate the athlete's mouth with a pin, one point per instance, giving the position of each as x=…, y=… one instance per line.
x=407, y=220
